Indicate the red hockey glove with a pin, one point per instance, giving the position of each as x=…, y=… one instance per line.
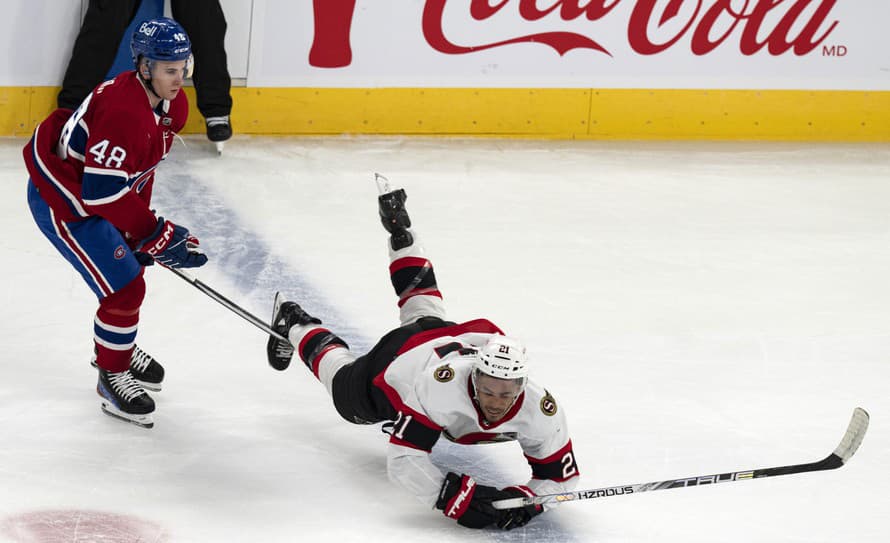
x=172, y=246
x=462, y=499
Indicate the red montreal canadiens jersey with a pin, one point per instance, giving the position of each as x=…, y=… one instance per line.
x=100, y=159
x=429, y=383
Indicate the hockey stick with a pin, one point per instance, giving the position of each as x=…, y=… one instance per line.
x=228, y=304
x=850, y=442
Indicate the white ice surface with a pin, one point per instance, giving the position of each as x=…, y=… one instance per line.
x=694, y=308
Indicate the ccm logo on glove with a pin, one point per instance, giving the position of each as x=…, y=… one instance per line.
x=161, y=243
x=170, y=245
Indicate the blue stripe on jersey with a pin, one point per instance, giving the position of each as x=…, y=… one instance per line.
x=100, y=187
x=77, y=144
x=141, y=179
x=69, y=199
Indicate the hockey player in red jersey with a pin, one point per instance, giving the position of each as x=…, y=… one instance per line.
x=91, y=176
x=431, y=378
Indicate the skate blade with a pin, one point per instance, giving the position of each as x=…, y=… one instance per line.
x=383, y=185
x=219, y=147
x=143, y=421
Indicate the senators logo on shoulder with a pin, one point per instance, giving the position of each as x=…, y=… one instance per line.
x=444, y=374
x=548, y=405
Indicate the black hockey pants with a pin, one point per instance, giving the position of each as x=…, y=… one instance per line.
x=356, y=397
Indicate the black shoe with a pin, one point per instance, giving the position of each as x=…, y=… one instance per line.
x=285, y=315
x=144, y=368
x=124, y=398
x=395, y=218
x=218, y=128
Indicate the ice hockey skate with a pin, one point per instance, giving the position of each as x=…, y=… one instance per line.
x=219, y=130
x=144, y=368
x=123, y=398
x=393, y=214
x=284, y=316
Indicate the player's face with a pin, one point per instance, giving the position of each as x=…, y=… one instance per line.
x=496, y=396
x=167, y=77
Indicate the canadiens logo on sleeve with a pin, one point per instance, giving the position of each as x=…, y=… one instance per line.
x=443, y=374
x=548, y=404
x=120, y=252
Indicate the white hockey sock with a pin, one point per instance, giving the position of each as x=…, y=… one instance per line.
x=414, y=282
x=321, y=351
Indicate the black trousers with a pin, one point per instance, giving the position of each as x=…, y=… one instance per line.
x=101, y=33
x=356, y=398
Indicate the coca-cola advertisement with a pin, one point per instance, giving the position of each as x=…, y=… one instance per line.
x=820, y=44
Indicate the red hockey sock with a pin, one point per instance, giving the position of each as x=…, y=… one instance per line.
x=115, y=326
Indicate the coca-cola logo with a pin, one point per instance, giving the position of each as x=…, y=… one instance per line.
x=779, y=26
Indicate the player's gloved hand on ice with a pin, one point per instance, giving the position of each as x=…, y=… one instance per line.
x=170, y=245
x=462, y=499
x=518, y=516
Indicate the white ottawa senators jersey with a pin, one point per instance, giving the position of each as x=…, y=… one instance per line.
x=429, y=384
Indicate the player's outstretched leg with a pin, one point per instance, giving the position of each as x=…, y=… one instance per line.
x=411, y=273
x=144, y=368
x=124, y=398
x=321, y=351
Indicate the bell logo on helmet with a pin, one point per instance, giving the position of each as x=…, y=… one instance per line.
x=161, y=39
x=148, y=29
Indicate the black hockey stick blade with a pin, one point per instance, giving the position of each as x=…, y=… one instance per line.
x=841, y=454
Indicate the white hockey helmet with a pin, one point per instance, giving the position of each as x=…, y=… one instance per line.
x=503, y=357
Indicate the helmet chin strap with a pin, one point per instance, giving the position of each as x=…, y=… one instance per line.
x=147, y=82
x=473, y=374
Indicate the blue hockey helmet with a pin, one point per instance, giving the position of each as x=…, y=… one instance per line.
x=161, y=39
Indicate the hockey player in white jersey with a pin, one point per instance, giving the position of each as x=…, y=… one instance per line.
x=431, y=377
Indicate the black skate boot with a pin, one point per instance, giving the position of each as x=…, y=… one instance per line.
x=218, y=128
x=285, y=315
x=145, y=369
x=123, y=398
x=395, y=218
